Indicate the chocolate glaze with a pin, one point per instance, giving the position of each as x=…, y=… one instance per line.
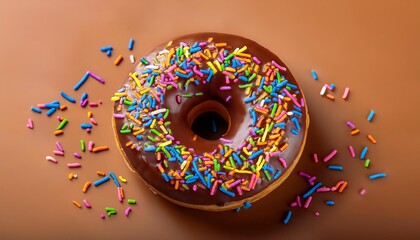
x=144, y=163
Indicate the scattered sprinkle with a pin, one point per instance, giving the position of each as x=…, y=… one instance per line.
x=314, y=75
x=371, y=114
x=287, y=218
x=378, y=175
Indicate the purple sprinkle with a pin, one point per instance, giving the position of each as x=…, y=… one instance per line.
x=224, y=140
x=351, y=125
x=303, y=174
x=96, y=77
x=117, y=115
x=77, y=155
x=225, y=88
x=228, y=98
x=59, y=146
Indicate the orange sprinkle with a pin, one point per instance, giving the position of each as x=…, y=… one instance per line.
x=342, y=187
x=63, y=107
x=118, y=60
x=100, y=149
x=220, y=44
x=371, y=138
x=355, y=131
x=284, y=146
x=129, y=143
x=330, y=96
x=195, y=137
x=71, y=176
x=121, y=190
x=58, y=132
x=100, y=173
x=77, y=204
x=86, y=186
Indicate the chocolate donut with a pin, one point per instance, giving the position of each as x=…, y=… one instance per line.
x=211, y=121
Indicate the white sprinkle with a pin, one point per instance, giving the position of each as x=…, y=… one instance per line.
x=152, y=67
x=262, y=103
x=162, y=110
x=49, y=158
x=281, y=96
x=290, y=113
x=163, y=51
x=323, y=89
x=132, y=59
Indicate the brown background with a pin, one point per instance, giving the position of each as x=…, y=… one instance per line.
x=372, y=47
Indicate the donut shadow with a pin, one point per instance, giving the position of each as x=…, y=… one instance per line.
x=267, y=213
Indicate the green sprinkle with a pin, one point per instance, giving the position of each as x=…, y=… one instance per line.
x=167, y=154
x=112, y=213
x=367, y=162
x=251, y=141
x=288, y=88
x=232, y=163
x=278, y=76
x=82, y=145
x=151, y=138
x=131, y=201
x=242, y=157
x=167, y=124
x=245, y=85
x=229, y=57
x=169, y=87
x=267, y=175
x=199, y=94
x=268, y=88
x=62, y=124
x=252, y=168
x=260, y=131
x=270, y=127
x=125, y=126
x=252, y=77
x=273, y=111
x=125, y=131
x=188, y=95
x=156, y=132
x=158, y=149
x=110, y=209
x=166, y=113
x=128, y=103
x=247, y=73
x=165, y=162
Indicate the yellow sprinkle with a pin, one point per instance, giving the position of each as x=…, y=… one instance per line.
x=71, y=175
x=265, y=132
x=230, y=69
x=260, y=165
x=163, y=129
x=218, y=65
x=139, y=132
x=246, y=151
x=208, y=155
x=220, y=44
x=228, y=153
x=120, y=94
x=115, y=99
x=242, y=171
x=122, y=179
x=165, y=144
x=144, y=90
x=242, y=49
x=212, y=67
x=169, y=43
x=246, y=55
x=153, y=123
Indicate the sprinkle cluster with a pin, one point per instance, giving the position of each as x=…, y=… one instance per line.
x=275, y=107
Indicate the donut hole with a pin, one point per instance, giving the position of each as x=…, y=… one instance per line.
x=209, y=120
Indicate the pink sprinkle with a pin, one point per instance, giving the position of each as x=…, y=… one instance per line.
x=311, y=180
x=87, y=204
x=77, y=155
x=197, y=72
x=353, y=155
x=278, y=66
x=317, y=214
x=84, y=103
x=298, y=201
x=329, y=156
x=308, y=201
x=49, y=158
x=58, y=153
x=228, y=98
x=351, y=125
x=41, y=105
x=213, y=189
x=256, y=60
x=225, y=88
x=172, y=68
x=323, y=189
x=103, y=216
x=59, y=146
x=224, y=140
x=315, y=158
x=93, y=104
x=235, y=183
x=74, y=165
x=238, y=188
x=346, y=92
x=178, y=99
x=202, y=44
x=93, y=121
x=170, y=137
x=283, y=162
x=251, y=183
x=303, y=174
x=328, y=87
x=30, y=123
x=195, y=187
x=96, y=77
x=362, y=191
x=90, y=146
x=293, y=204
x=302, y=102
x=292, y=97
x=127, y=211
x=117, y=115
x=88, y=130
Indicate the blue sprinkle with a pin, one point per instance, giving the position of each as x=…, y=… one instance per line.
x=277, y=174
x=81, y=82
x=296, y=122
x=51, y=111
x=106, y=48
x=165, y=177
x=109, y=53
x=243, y=78
x=254, y=116
x=84, y=96
x=287, y=218
x=256, y=154
x=332, y=85
x=131, y=44
x=52, y=105
x=371, y=114
x=297, y=113
x=139, y=137
x=330, y=203
x=363, y=153
x=291, y=85
x=294, y=132
x=35, y=109
x=236, y=157
x=100, y=181
x=250, y=99
x=150, y=149
x=378, y=175
x=67, y=97
x=114, y=178
x=247, y=205
x=313, y=189
x=335, y=167
x=213, y=124
x=227, y=192
x=314, y=75
x=85, y=125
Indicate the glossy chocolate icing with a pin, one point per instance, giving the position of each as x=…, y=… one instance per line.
x=144, y=163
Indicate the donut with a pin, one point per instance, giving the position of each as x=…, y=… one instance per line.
x=211, y=121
